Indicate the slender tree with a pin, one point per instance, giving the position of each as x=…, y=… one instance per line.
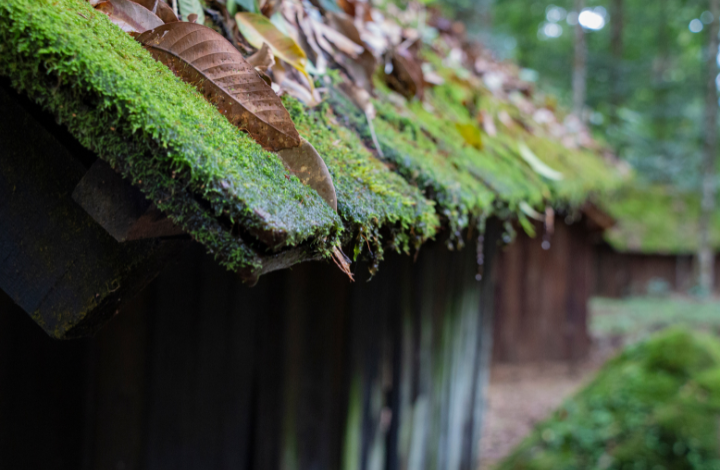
x=706, y=256
x=617, y=25
x=662, y=113
x=579, y=80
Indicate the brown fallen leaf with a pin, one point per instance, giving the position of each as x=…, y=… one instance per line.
x=359, y=9
x=283, y=81
x=263, y=59
x=205, y=59
x=342, y=262
x=310, y=46
x=339, y=40
x=259, y=30
x=362, y=69
x=307, y=164
x=129, y=16
x=404, y=75
x=160, y=8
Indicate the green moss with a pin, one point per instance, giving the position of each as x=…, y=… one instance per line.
x=653, y=406
x=459, y=100
x=458, y=195
x=424, y=143
x=372, y=200
x=237, y=199
x=158, y=132
x=656, y=219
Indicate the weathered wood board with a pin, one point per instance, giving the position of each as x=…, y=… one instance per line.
x=304, y=371
x=57, y=263
x=119, y=207
x=625, y=274
x=542, y=295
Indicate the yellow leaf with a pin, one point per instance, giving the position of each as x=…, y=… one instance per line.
x=471, y=134
x=258, y=29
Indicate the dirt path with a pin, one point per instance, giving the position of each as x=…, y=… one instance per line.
x=521, y=395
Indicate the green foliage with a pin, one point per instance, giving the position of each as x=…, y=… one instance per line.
x=656, y=219
x=637, y=317
x=657, y=83
x=654, y=406
x=210, y=177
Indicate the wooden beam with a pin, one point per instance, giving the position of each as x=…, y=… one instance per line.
x=56, y=262
x=119, y=207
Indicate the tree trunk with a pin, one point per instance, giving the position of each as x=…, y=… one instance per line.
x=662, y=113
x=617, y=19
x=579, y=65
x=705, y=250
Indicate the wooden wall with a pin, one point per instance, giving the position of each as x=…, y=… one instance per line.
x=541, y=296
x=626, y=274
x=304, y=371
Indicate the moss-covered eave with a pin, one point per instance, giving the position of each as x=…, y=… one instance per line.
x=238, y=200
x=159, y=133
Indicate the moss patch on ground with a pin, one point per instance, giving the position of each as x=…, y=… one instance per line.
x=158, y=132
x=656, y=219
x=656, y=405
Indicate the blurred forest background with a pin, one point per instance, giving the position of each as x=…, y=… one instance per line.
x=644, y=81
x=645, y=71
x=644, y=76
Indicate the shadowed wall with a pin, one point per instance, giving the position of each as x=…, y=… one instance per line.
x=303, y=371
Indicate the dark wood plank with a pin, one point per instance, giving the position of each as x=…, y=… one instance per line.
x=55, y=262
x=42, y=395
x=119, y=207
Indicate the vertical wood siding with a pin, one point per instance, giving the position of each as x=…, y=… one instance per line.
x=304, y=371
x=541, y=296
x=625, y=274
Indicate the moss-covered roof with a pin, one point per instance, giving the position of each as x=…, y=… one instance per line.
x=157, y=131
x=239, y=200
x=656, y=219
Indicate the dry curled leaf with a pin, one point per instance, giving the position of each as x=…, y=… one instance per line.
x=310, y=45
x=160, y=8
x=262, y=59
x=340, y=41
x=283, y=81
x=307, y=164
x=404, y=75
x=259, y=30
x=342, y=262
x=362, y=69
x=129, y=16
x=205, y=59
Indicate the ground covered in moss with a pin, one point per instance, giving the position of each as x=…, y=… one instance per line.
x=655, y=406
